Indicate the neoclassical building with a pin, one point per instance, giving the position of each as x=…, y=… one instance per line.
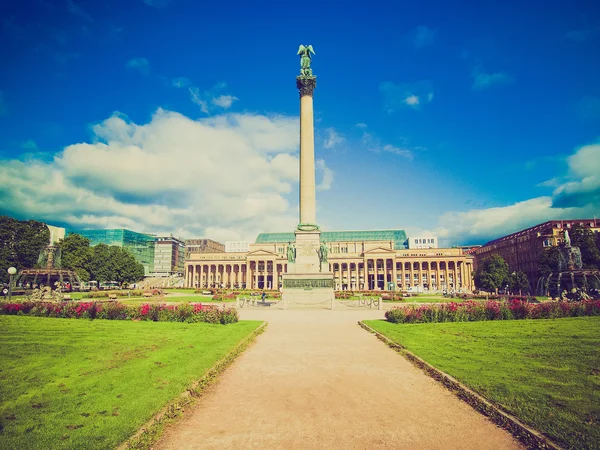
x=359, y=260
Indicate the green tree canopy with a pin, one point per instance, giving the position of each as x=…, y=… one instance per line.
x=585, y=239
x=518, y=282
x=101, y=263
x=20, y=244
x=76, y=255
x=491, y=274
x=548, y=262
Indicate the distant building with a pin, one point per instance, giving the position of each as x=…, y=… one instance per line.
x=359, y=260
x=203, y=246
x=522, y=250
x=169, y=256
x=236, y=246
x=422, y=242
x=140, y=245
x=468, y=249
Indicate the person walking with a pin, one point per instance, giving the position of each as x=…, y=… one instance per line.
x=263, y=296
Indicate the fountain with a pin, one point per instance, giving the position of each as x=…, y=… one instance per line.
x=49, y=272
x=570, y=277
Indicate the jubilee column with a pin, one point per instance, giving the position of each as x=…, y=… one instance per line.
x=307, y=280
x=306, y=86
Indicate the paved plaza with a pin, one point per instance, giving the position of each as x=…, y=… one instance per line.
x=315, y=379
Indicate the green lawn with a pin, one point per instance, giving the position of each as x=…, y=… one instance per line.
x=546, y=372
x=68, y=383
x=180, y=290
x=169, y=299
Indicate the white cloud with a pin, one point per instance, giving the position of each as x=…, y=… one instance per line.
x=412, y=100
x=483, y=80
x=29, y=145
x=576, y=198
x=212, y=97
x=332, y=138
x=221, y=177
x=181, y=82
x=224, y=101
x=406, y=95
x=373, y=144
x=398, y=151
x=140, y=64
x=423, y=36
x=3, y=106
x=77, y=11
x=361, y=125
x=196, y=97
x=326, y=173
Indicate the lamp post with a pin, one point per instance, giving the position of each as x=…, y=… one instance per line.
x=11, y=271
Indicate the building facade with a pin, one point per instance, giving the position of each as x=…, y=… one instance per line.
x=140, y=245
x=169, y=256
x=359, y=260
x=203, y=246
x=422, y=242
x=237, y=246
x=522, y=250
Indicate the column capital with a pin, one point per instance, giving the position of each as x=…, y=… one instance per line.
x=306, y=85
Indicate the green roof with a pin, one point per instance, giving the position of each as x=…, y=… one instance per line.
x=398, y=236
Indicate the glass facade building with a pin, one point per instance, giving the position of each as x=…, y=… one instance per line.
x=140, y=245
x=397, y=236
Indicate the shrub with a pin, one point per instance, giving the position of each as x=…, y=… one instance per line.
x=117, y=311
x=469, y=311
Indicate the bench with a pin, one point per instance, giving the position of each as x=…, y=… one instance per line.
x=147, y=294
x=112, y=296
x=206, y=293
x=67, y=297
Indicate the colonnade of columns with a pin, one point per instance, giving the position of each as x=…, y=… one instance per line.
x=391, y=274
x=255, y=274
x=381, y=273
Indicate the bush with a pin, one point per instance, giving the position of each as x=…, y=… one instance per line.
x=471, y=311
x=117, y=311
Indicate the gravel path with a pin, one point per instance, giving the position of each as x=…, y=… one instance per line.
x=314, y=380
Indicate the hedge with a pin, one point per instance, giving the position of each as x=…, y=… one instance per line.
x=117, y=311
x=471, y=311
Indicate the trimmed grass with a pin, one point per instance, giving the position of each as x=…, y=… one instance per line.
x=546, y=372
x=169, y=299
x=91, y=384
x=180, y=290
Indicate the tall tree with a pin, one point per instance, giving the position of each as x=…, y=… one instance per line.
x=518, y=282
x=100, y=263
x=492, y=274
x=20, y=243
x=585, y=239
x=549, y=259
x=76, y=255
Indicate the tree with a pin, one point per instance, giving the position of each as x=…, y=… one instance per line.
x=492, y=274
x=585, y=239
x=100, y=264
x=20, y=244
x=549, y=259
x=518, y=282
x=76, y=255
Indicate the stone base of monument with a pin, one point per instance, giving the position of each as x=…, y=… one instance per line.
x=308, y=290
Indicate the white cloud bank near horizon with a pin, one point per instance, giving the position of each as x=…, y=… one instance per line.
x=226, y=177
x=578, y=197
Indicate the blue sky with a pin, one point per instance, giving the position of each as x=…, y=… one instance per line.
x=464, y=120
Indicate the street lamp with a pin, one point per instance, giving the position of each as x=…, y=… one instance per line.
x=11, y=271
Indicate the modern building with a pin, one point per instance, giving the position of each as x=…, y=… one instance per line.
x=522, y=250
x=140, y=245
x=169, y=256
x=422, y=242
x=359, y=260
x=203, y=246
x=237, y=246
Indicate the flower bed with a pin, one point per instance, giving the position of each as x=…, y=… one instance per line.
x=491, y=310
x=117, y=311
